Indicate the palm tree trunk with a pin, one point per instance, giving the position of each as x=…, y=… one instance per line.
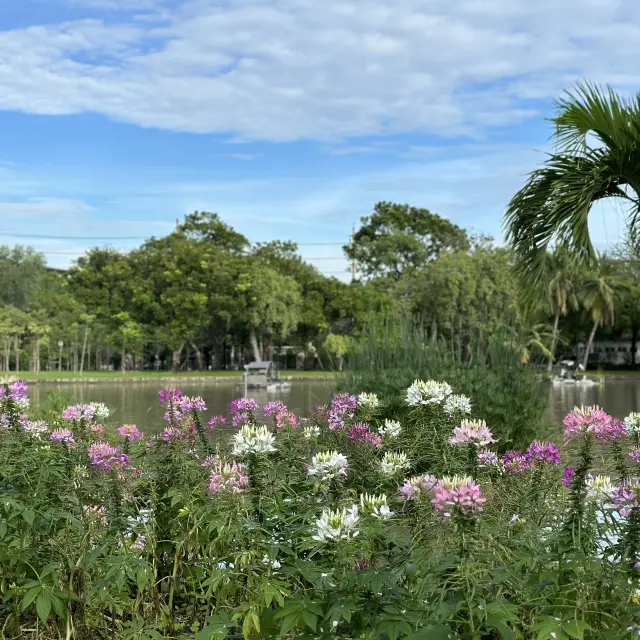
x=554, y=342
x=84, y=347
x=587, y=349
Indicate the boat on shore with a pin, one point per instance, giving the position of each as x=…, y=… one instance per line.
x=264, y=375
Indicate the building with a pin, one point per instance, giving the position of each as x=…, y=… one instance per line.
x=615, y=353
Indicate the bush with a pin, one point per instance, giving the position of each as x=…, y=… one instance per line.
x=345, y=525
x=511, y=398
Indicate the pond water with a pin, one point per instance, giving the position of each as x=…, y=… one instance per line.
x=137, y=402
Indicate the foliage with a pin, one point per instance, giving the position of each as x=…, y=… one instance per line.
x=158, y=538
x=398, y=238
x=597, y=156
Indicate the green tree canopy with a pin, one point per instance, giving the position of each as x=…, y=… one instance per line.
x=398, y=238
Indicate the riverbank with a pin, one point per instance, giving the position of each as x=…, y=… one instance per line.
x=97, y=377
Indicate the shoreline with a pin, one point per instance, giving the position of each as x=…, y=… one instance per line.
x=163, y=379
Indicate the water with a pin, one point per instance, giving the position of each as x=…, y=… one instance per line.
x=137, y=402
x=616, y=397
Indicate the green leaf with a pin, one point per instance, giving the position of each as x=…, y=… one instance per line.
x=142, y=578
x=575, y=628
x=433, y=632
x=289, y=622
x=43, y=605
x=30, y=596
x=310, y=619
x=29, y=516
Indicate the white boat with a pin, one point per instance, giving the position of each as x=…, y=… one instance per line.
x=264, y=375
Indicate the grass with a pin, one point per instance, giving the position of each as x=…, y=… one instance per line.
x=148, y=375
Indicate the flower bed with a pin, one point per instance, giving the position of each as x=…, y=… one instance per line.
x=348, y=524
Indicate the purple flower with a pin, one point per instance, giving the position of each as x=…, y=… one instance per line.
x=172, y=433
x=286, y=419
x=17, y=391
x=634, y=454
x=241, y=418
x=186, y=404
x=545, y=452
x=62, y=435
x=228, y=478
x=169, y=394
x=627, y=497
x=487, y=459
x=417, y=487
x=210, y=461
x=5, y=420
x=105, y=456
x=568, y=475
x=274, y=407
x=361, y=433
x=342, y=408
x=243, y=405
x=130, y=432
x=515, y=462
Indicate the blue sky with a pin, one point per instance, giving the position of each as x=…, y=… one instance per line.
x=290, y=118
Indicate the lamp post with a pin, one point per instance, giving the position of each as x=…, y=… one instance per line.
x=60, y=345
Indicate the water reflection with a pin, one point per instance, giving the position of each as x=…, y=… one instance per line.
x=137, y=402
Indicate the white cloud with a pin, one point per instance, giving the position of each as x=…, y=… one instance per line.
x=301, y=69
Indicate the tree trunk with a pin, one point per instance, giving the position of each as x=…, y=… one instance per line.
x=554, y=342
x=635, y=329
x=587, y=349
x=340, y=362
x=17, y=348
x=257, y=351
x=175, y=358
x=198, y=355
x=84, y=347
x=124, y=356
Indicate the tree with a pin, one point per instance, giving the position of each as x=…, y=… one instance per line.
x=273, y=303
x=598, y=299
x=560, y=292
x=597, y=156
x=398, y=238
x=207, y=227
x=338, y=345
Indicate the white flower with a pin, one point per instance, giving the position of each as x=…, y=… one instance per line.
x=337, y=525
x=101, y=410
x=393, y=462
x=327, y=465
x=368, y=401
x=376, y=505
x=35, y=428
x=22, y=404
x=391, y=429
x=311, y=432
x=252, y=439
x=429, y=392
x=457, y=404
x=274, y=563
x=600, y=489
x=632, y=423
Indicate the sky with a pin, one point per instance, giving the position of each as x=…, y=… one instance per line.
x=289, y=118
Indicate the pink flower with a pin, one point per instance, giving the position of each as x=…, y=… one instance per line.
x=460, y=495
x=634, y=454
x=286, y=419
x=169, y=395
x=472, y=432
x=79, y=412
x=216, y=420
x=242, y=405
x=97, y=428
x=418, y=487
x=592, y=420
x=487, y=459
x=136, y=473
x=228, y=478
x=361, y=433
x=130, y=432
x=187, y=404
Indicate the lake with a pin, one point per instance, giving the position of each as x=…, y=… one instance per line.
x=137, y=402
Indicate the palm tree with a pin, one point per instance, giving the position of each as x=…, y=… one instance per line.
x=598, y=298
x=560, y=293
x=597, y=156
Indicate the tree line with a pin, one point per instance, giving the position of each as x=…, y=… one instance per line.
x=203, y=297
